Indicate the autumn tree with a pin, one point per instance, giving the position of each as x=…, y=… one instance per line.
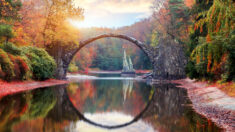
x=58, y=35
x=172, y=19
x=212, y=41
x=8, y=14
x=28, y=31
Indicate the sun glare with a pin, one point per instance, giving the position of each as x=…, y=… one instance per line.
x=78, y=23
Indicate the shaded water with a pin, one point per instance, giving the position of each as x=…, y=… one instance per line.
x=102, y=105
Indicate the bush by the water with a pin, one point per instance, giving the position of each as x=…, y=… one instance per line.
x=7, y=67
x=23, y=63
x=43, y=65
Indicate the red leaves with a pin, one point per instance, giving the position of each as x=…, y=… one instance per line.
x=17, y=86
x=208, y=38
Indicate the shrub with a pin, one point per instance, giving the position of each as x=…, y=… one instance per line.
x=6, y=65
x=23, y=68
x=73, y=68
x=11, y=48
x=15, y=67
x=2, y=74
x=20, y=63
x=42, y=64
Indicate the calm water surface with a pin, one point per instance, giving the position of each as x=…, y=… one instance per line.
x=102, y=105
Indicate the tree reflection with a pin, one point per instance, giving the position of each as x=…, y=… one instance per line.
x=102, y=96
x=26, y=106
x=52, y=109
x=171, y=111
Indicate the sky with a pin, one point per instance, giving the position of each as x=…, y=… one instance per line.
x=112, y=13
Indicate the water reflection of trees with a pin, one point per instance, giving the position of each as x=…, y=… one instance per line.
x=110, y=96
x=171, y=111
x=51, y=109
x=33, y=111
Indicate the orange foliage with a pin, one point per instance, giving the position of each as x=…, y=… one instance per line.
x=28, y=30
x=218, y=26
x=85, y=57
x=198, y=59
x=189, y=3
x=228, y=88
x=208, y=38
x=16, y=66
x=20, y=36
x=201, y=29
x=215, y=67
x=209, y=58
x=7, y=10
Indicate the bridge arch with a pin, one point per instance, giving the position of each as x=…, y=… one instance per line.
x=62, y=69
x=168, y=58
x=145, y=48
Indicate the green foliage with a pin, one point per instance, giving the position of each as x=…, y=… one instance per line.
x=14, y=66
x=11, y=49
x=24, y=67
x=180, y=18
x=6, y=65
x=211, y=47
x=109, y=56
x=41, y=103
x=21, y=63
x=154, y=39
x=6, y=31
x=43, y=65
x=73, y=68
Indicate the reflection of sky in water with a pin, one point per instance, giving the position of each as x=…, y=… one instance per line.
x=110, y=118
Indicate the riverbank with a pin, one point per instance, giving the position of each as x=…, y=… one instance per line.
x=211, y=102
x=7, y=88
x=108, y=72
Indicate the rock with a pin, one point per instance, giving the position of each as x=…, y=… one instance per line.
x=170, y=60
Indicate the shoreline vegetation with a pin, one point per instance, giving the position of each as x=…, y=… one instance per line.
x=25, y=63
x=30, y=51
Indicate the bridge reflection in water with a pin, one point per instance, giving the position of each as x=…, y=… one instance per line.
x=81, y=107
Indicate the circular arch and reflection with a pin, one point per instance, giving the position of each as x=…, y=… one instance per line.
x=136, y=118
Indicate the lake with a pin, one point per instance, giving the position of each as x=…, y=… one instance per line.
x=102, y=104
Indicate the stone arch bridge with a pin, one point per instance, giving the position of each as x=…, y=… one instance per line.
x=167, y=58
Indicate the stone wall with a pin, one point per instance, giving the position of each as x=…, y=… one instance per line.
x=169, y=61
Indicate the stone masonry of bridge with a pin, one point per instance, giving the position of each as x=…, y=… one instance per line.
x=167, y=57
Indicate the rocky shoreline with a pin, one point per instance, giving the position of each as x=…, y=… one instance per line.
x=211, y=102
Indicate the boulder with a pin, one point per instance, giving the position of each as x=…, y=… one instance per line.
x=170, y=60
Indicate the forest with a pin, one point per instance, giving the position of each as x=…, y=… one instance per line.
x=34, y=34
